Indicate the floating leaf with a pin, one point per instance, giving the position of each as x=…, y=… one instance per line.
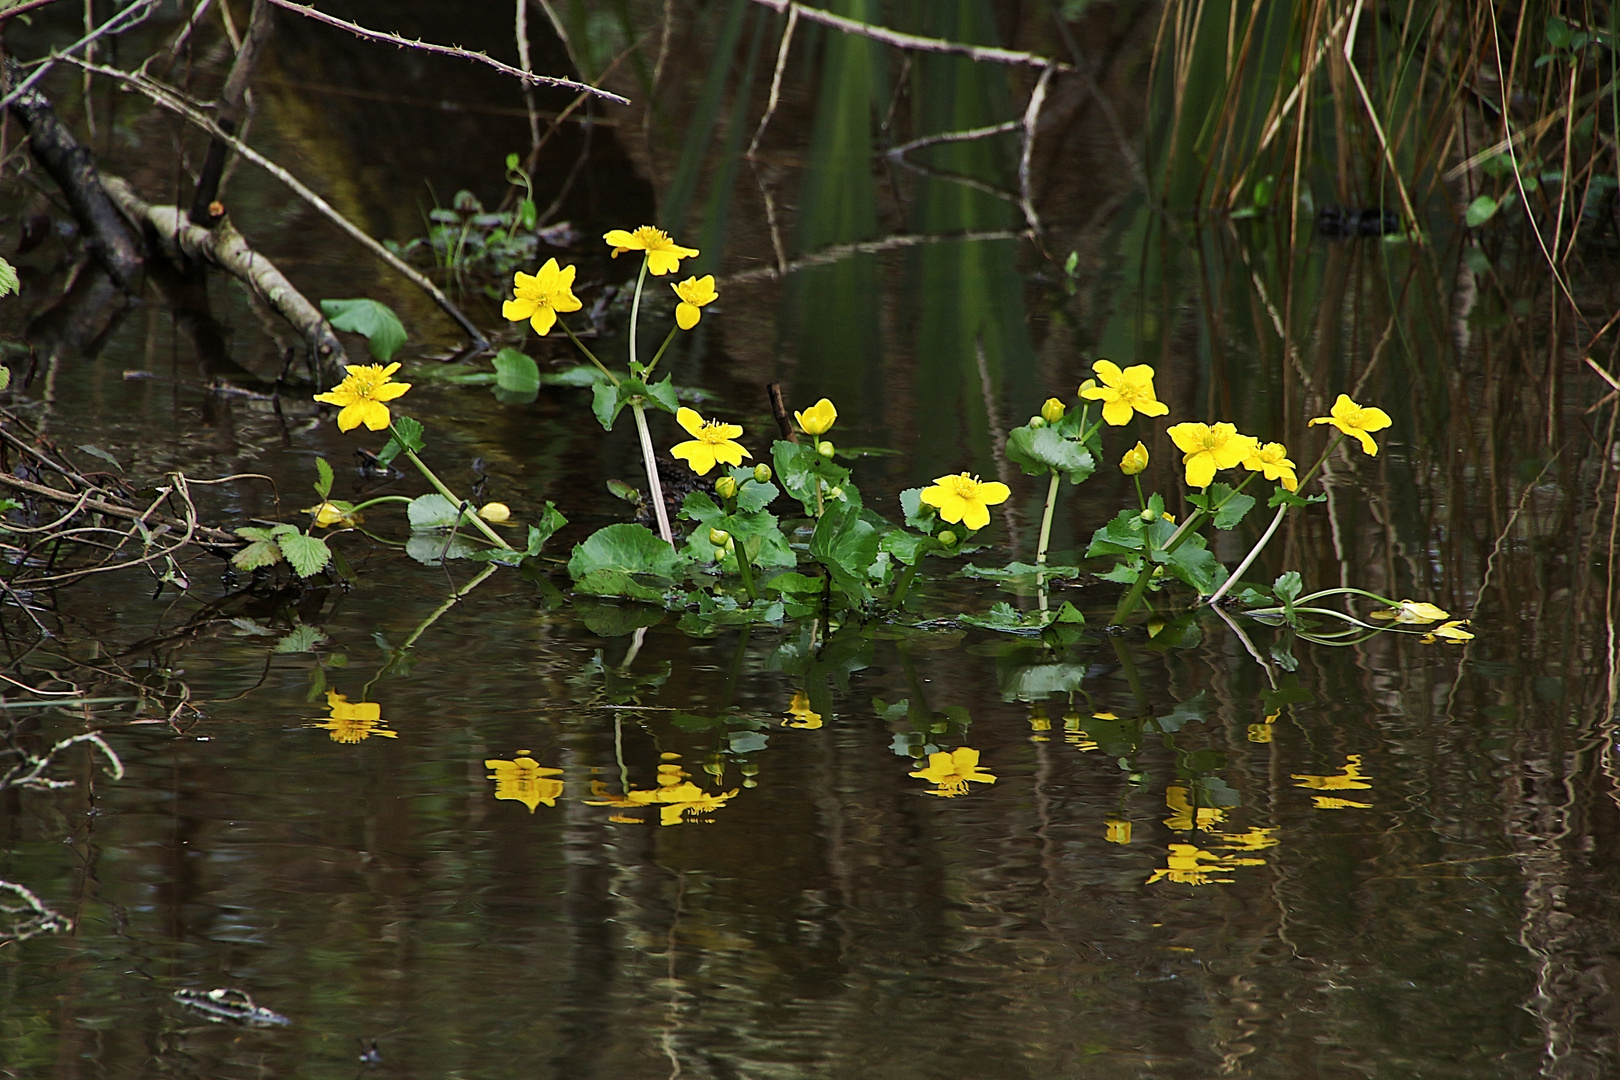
x=302, y=639
x=308, y=555
x=432, y=511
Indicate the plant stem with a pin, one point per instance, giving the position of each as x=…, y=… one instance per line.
x=379, y=499
x=410, y=455
x=1046, y=536
x=580, y=345
x=635, y=312
x=746, y=569
x=907, y=575
x=655, y=486
x=659, y=355
x=1253, y=554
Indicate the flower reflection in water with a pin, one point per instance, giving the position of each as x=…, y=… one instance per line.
x=800, y=715
x=1349, y=779
x=1188, y=864
x=1184, y=816
x=677, y=798
x=353, y=722
x=953, y=772
x=525, y=780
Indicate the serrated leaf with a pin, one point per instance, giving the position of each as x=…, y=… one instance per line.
x=308, y=555
x=410, y=431
x=257, y=555
x=662, y=394
x=8, y=279
x=627, y=548
x=432, y=511
x=605, y=404
x=302, y=639
x=253, y=532
x=323, y=482
x=1233, y=511
x=919, y=515
x=1288, y=586
x=383, y=331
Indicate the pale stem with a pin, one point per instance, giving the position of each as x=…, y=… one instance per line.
x=655, y=487
x=1046, y=536
x=580, y=345
x=490, y=534
x=659, y=355
x=635, y=315
x=1253, y=554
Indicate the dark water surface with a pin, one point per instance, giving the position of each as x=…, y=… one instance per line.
x=1393, y=860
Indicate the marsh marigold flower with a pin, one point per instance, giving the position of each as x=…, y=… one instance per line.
x=1135, y=460
x=711, y=442
x=695, y=293
x=1452, y=633
x=1413, y=611
x=540, y=297
x=663, y=254
x=1272, y=460
x=965, y=498
x=361, y=394
x=1208, y=447
x=1118, y=831
x=1123, y=392
x=1053, y=410
x=953, y=772
x=329, y=513
x=1356, y=421
x=818, y=419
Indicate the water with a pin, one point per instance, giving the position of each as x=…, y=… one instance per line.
x=1394, y=860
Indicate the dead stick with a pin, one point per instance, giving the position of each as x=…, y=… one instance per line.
x=232, y=103
x=779, y=410
x=905, y=41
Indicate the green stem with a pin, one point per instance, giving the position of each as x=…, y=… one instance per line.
x=907, y=575
x=1046, y=536
x=655, y=486
x=1141, y=500
x=659, y=355
x=635, y=312
x=422, y=627
x=490, y=534
x=1254, y=553
x=379, y=499
x=580, y=345
x=746, y=569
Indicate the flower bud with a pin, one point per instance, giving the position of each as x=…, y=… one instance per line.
x=947, y=537
x=1037, y=422
x=726, y=487
x=825, y=449
x=1134, y=461
x=835, y=493
x=1089, y=384
x=1052, y=411
x=719, y=554
x=1149, y=515
x=495, y=512
x=719, y=537
x=762, y=473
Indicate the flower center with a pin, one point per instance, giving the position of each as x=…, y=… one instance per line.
x=651, y=238
x=711, y=433
x=964, y=487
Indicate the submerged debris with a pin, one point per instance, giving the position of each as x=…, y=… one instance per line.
x=230, y=1006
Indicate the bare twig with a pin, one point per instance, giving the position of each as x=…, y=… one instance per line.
x=170, y=99
x=43, y=920
x=1032, y=118
x=776, y=81
x=839, y=252
x=228, y=115
x=446, y=50
x=22, y=9
x=30, y=773
x=906, y=41
x=965, y=135
x=131, y=16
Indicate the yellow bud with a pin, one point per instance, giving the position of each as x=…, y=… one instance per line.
x=1134, y=461
x=1089, y=384
x=835, y=493
x=1052, y=411
x=726, y=487
x=495, y=512
x=719, y=537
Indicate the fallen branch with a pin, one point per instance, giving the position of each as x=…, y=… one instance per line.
x=446, y=50
x=168, y=98
x=904, y=41
x=223, y=246
x=228, y=113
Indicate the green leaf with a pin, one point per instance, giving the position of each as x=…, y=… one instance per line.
x=919, y=515
x=1481, y=210
x=1282, y=496
x=627, y=548
x=1193, y=563
x=302, y=639
x=98, y=452
x=747, y=742
x=307, y=554
x=1558, y=33
x=662, y=394
x=257, y=555
x=907, y=547
x=5, y=377
x=432, y=511
x=1231, y=506
x=383, y=331
x=798, y=467
x=410, y=431
x=579, y=377
x=517, y=373
x=1040, y=450
x=1191, y=711
x=323, y=482
x=253, y=532
x=605, y=404
x=1288, y=587
x=1121, y=536
x=846, y=546
x=8, y=279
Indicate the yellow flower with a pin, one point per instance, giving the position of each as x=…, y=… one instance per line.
x=800, y=715
x=711, y=442
x=1413, y=611
x=1191, y=865
x=695, y=293
x=1053, y=410
x=1208, y=447
x=361, y=394
x=1123, y=392
x=663, y=254
x=525, y=780
x=1272, y=460
x=540, y=297
x=954, y=771
x=1186, y=816
x=1135, y=460
x=818, y=418
x=1352, y=419
x=328, y=514
x=354, y=722
x=1452, y=633
x=1348, y=778
x=1119, y=832
x=963, y=498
